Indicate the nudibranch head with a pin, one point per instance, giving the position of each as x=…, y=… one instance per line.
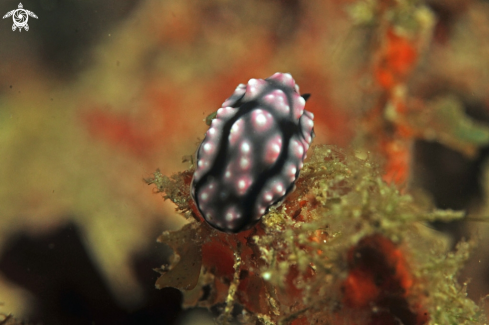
x=252, y=153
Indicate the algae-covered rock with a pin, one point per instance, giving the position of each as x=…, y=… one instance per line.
x=343, y=248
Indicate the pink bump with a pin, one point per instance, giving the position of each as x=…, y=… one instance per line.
x=299, y=103
x=273, y=149
x=288, y=80
x=258, y=215
x=202, y=165
x=204, y=196
x=284, y=78
x=254, y=88
x=276, y=76
x=279, y=188
x=227, y=174
x=208, y=147
x=206, y=193
x=307, y=124
x=217, y=124
x=238, y=92
x=262, y=120
x=243, y=184
x=297, y=148
x=292, y=170
x=236, y=131
x=245, y=163
x=245, y=147
x=300, y=150
x=278, y=100
x=270, y=98
x=268, y=197
x=226, y=112
x=231, y=215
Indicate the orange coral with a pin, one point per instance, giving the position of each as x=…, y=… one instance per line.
x=395, y=60
x=379, y=281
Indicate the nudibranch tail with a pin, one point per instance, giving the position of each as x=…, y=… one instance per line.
x=252, y=153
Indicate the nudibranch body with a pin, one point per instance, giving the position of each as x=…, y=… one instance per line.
x=252, y=153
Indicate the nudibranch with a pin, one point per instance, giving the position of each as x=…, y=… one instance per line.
x=252, y=153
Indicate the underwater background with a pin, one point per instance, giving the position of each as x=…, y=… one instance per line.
x=97, y=95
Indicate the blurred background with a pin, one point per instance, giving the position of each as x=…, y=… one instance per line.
x=97, y=95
